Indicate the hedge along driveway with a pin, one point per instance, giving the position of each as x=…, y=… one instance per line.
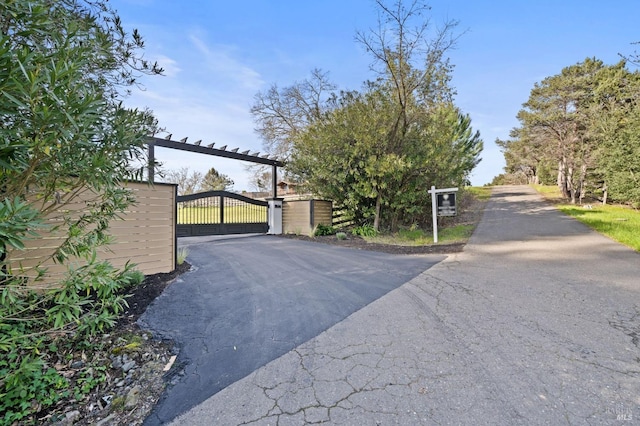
x=252, y=299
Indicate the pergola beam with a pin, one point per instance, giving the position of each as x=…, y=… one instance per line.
x=209, y=150
x=182, y=145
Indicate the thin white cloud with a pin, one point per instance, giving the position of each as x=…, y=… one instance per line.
x=185, y=113
x=154, y=96
x=220, y=61
x=209, y=99
x=170, y=67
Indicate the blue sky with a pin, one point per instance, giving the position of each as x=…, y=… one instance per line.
x=219, y=54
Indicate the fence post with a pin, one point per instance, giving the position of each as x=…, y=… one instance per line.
x=221, y=210
x=151, y=162
x=274, y=181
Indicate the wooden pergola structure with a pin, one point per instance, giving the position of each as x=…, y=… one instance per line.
x=209, y=149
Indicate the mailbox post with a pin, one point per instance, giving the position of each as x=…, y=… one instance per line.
x=443, y=203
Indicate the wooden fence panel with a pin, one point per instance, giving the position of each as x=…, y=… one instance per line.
x=340, y=218
x=322, y=212
x=302, y=216
x=144, y=235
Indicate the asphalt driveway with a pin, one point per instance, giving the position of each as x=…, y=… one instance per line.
x=537, y=322
x=249, y=300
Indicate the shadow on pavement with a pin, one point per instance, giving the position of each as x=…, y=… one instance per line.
x=249, y=300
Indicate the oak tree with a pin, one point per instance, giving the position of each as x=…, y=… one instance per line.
x=188, y=181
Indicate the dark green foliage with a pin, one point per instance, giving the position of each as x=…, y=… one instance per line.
x=364, y=231
x=33, y=325
x=347, y=158
x=216, y=181
x=62, y=127
x=324, y=230
x=18, y=221
x=377, y=151
x=581, y=130
x=27, y=379
x=63, y=130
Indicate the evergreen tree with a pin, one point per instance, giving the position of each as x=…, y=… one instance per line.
x=215, y=181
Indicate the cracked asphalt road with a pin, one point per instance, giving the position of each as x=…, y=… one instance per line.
x=252, y=299
x=536, y=322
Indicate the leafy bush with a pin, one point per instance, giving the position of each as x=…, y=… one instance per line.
x=25, y=379
x=365, y=231
x=324, y=230
x=18, y=221
x=133, y=278
x=64, y=129
x=341, y=236
x=33, y=325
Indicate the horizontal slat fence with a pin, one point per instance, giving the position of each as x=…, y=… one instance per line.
x=302, y=216
x=340, y=218
x=144, y=235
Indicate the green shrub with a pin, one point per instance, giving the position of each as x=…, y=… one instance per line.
x=26, y=379
x=341, y=236
x=132, y=278
x=365, y=231
x=18, y=221
x=64, y=130
x=324, y=230
x=34, y=325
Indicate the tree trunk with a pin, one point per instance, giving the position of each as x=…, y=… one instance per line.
x=604, y=194
x=570, y=188
x=394, y=222
x=535, y=180
x=581, y=183
x=563, y=179
x=376, y=218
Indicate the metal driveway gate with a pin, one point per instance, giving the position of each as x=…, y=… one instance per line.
x=219, y=213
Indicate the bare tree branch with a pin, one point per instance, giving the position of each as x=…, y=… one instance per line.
x=280, y=114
